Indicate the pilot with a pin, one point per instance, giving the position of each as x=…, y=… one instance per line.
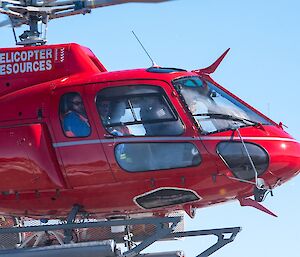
x=158, y=120
x=75, y=122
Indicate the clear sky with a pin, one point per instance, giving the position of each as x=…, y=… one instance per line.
x=262, y=68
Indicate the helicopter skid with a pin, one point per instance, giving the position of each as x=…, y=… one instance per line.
x=165, y=229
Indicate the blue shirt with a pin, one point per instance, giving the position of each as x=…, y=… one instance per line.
x=76, y=125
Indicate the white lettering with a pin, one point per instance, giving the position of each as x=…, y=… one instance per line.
x=9, y=69
x=29, y=55
x=36, y=54
x=22, y=68
x=29, y=67
x=27, y=61
x=48, y=53
x=17, y=57
x=42, y=65
x=23, y=56
x=7, y=59
x=2, y=58
x=48, y=65
x=15, y=68
x=36, y=66
x=2, y=69
x=42, y=54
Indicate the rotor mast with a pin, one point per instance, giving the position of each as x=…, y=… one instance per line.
x=32, y=37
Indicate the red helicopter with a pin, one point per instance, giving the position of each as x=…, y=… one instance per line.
x=77, y=138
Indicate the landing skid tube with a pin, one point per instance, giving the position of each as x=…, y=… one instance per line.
x=164, y=230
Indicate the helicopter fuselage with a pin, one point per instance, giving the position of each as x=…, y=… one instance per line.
x=142, y=147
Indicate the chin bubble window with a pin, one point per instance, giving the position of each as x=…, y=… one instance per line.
x=235, y=157
x=166, y=197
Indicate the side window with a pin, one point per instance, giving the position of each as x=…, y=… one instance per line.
x=73, y=116
x=137, y=110
x=134, y=157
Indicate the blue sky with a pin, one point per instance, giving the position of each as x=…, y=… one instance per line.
x=262, y=68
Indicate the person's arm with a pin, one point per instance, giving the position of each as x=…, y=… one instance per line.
x=67, y=125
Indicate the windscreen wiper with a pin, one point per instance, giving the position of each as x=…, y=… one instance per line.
x=229, y=117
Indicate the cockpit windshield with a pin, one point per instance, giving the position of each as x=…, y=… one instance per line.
x=213, y=109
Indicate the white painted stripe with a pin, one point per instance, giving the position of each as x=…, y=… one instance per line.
x=163, y=139
x=250, y=138
x=81, y=142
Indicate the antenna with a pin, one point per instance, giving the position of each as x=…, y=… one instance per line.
x=153, y=63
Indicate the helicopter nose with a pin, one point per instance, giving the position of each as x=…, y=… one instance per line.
x=284, y=159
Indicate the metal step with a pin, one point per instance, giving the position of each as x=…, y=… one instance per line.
x=86, y=249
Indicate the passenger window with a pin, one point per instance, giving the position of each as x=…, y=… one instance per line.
x=137, y=110
x=134, y=157
x=73, y=116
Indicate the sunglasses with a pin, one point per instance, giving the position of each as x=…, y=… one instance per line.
x=77, y=103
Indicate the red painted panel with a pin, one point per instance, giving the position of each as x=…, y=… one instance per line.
x=27, y=161
x=27, y=66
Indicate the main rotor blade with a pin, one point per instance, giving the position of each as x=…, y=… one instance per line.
x=14, y=2
x=40, y=9
x=11, y=13
x=102, y=3
x=12, y=22
x=5, y=23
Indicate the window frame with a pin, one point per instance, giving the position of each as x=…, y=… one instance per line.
x=160, y=92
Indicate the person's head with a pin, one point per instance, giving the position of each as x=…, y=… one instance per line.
x=117, y=111
x=76, y=104
x=193, y=106
x=103, y=107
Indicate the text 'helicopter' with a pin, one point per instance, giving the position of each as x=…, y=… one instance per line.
x=77, y=139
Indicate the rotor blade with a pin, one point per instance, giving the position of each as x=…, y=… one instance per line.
x=102, y=3
x=5, y=23
x=83, y=7
x=40, y=9
x=12, y=22
x=66, y=14
x=11, y=13
x=14, y=2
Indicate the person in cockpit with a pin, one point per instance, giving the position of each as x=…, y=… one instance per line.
x=75, y=121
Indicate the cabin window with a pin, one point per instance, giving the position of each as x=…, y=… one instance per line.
x=134, y=157
x=73, y=117
x=139, y=110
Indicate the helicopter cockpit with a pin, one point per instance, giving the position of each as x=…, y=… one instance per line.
x=213, y=109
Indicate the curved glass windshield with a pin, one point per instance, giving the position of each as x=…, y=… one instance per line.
x=213, y=109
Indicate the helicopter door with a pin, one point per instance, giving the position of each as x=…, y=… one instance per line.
x=76, y=139
x=143, y=135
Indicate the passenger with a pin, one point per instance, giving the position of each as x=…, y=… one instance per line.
x=103, y=108
x=75, y=121
x=117, y=111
